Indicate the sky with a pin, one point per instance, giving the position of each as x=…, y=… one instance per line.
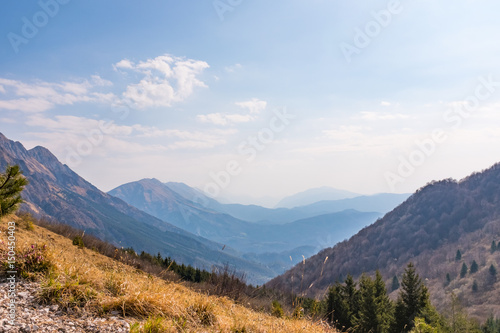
x=255, y=100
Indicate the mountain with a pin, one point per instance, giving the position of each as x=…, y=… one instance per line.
x=57, y=192
x=428, y=229
x=159, y=200
x=382, y=203
x=314, y=195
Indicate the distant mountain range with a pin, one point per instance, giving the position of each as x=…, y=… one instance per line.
x=429, y=228
x=207, y=218
x=57, y=192
x=181, y=222
x=314, y=195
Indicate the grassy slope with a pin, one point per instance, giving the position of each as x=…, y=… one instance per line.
x=101, y=285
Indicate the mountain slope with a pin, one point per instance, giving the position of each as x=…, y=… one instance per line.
x=427, y=229
x=314, y=195
x=383, y=203
x=159, y=200
x=56, y=191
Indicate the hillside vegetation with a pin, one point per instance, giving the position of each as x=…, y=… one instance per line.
x=427, y=229
x=78, y=278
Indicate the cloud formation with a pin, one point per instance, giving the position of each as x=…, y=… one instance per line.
x=166, y=80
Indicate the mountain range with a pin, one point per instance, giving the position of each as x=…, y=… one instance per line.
x=180, y=221
x=56, y=192
x=443, y=228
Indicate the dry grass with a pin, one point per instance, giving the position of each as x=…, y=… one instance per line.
x=83, y=279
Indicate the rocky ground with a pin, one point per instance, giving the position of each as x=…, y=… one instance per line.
x=33, y=317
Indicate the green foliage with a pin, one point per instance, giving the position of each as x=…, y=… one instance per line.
x=458, y=256
x=475, y=287
x=395, y=283
x=12, y=183
x=493, y=270
x=492, y=325
x=78, y=241
x=448, y=278
x=413, y=301
x=277, y=309
x=458, y=320
x=464, y=270
x=474, y=267
x=33, y=260
x=422, y=327
x=375, y=310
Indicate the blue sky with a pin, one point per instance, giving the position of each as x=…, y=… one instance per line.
x=196, y=92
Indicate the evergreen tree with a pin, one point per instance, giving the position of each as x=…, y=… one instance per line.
x=474, y=267
x=336, y=308
x=352, y=298
x=367, y=321
x=464, y=270
x=458, y=257
x=412, y=302
x=385, y=315
x=12, y=183
x=493, y=270
x=475, y=286
x=448, y=278
x=395, y=283
x=494, y=246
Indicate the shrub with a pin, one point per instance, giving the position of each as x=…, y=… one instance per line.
x=277, y=310
x=78, y=241
x=33, y=261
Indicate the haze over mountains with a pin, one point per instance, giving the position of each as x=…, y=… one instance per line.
x=181, y=222
x=428, y=229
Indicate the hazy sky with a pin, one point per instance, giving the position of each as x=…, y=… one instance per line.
x=255, y=98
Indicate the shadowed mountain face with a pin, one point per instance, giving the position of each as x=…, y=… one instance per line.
x=381, y=203
x=57, y=192
x=159, y=200
x=428, y=229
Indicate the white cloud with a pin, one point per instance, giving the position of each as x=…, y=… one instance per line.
x=125, y=63
x=371, y=116
x=167, y=80
x=233, y=68
x=99, y=81
x=255, y=106
x=384, y=103
x=224, y=119
x=40, y=96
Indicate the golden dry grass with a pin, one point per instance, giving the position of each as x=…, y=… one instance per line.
x=84, y=279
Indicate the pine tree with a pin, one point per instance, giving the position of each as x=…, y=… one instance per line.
x=412, y=301
x=395, y=283
x=493, y=270
x=368, y=321
x=352, y=299
x=12, y=183
x=464, y=270
x=336, y=308
x=385, y=315
x=458, y=257
x=475, y=286
x=494, y=246
x=474, y=267
x=448, y=278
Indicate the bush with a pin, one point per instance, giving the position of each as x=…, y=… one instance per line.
x=78, y=241
x=33, y=260
x=277, y=310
